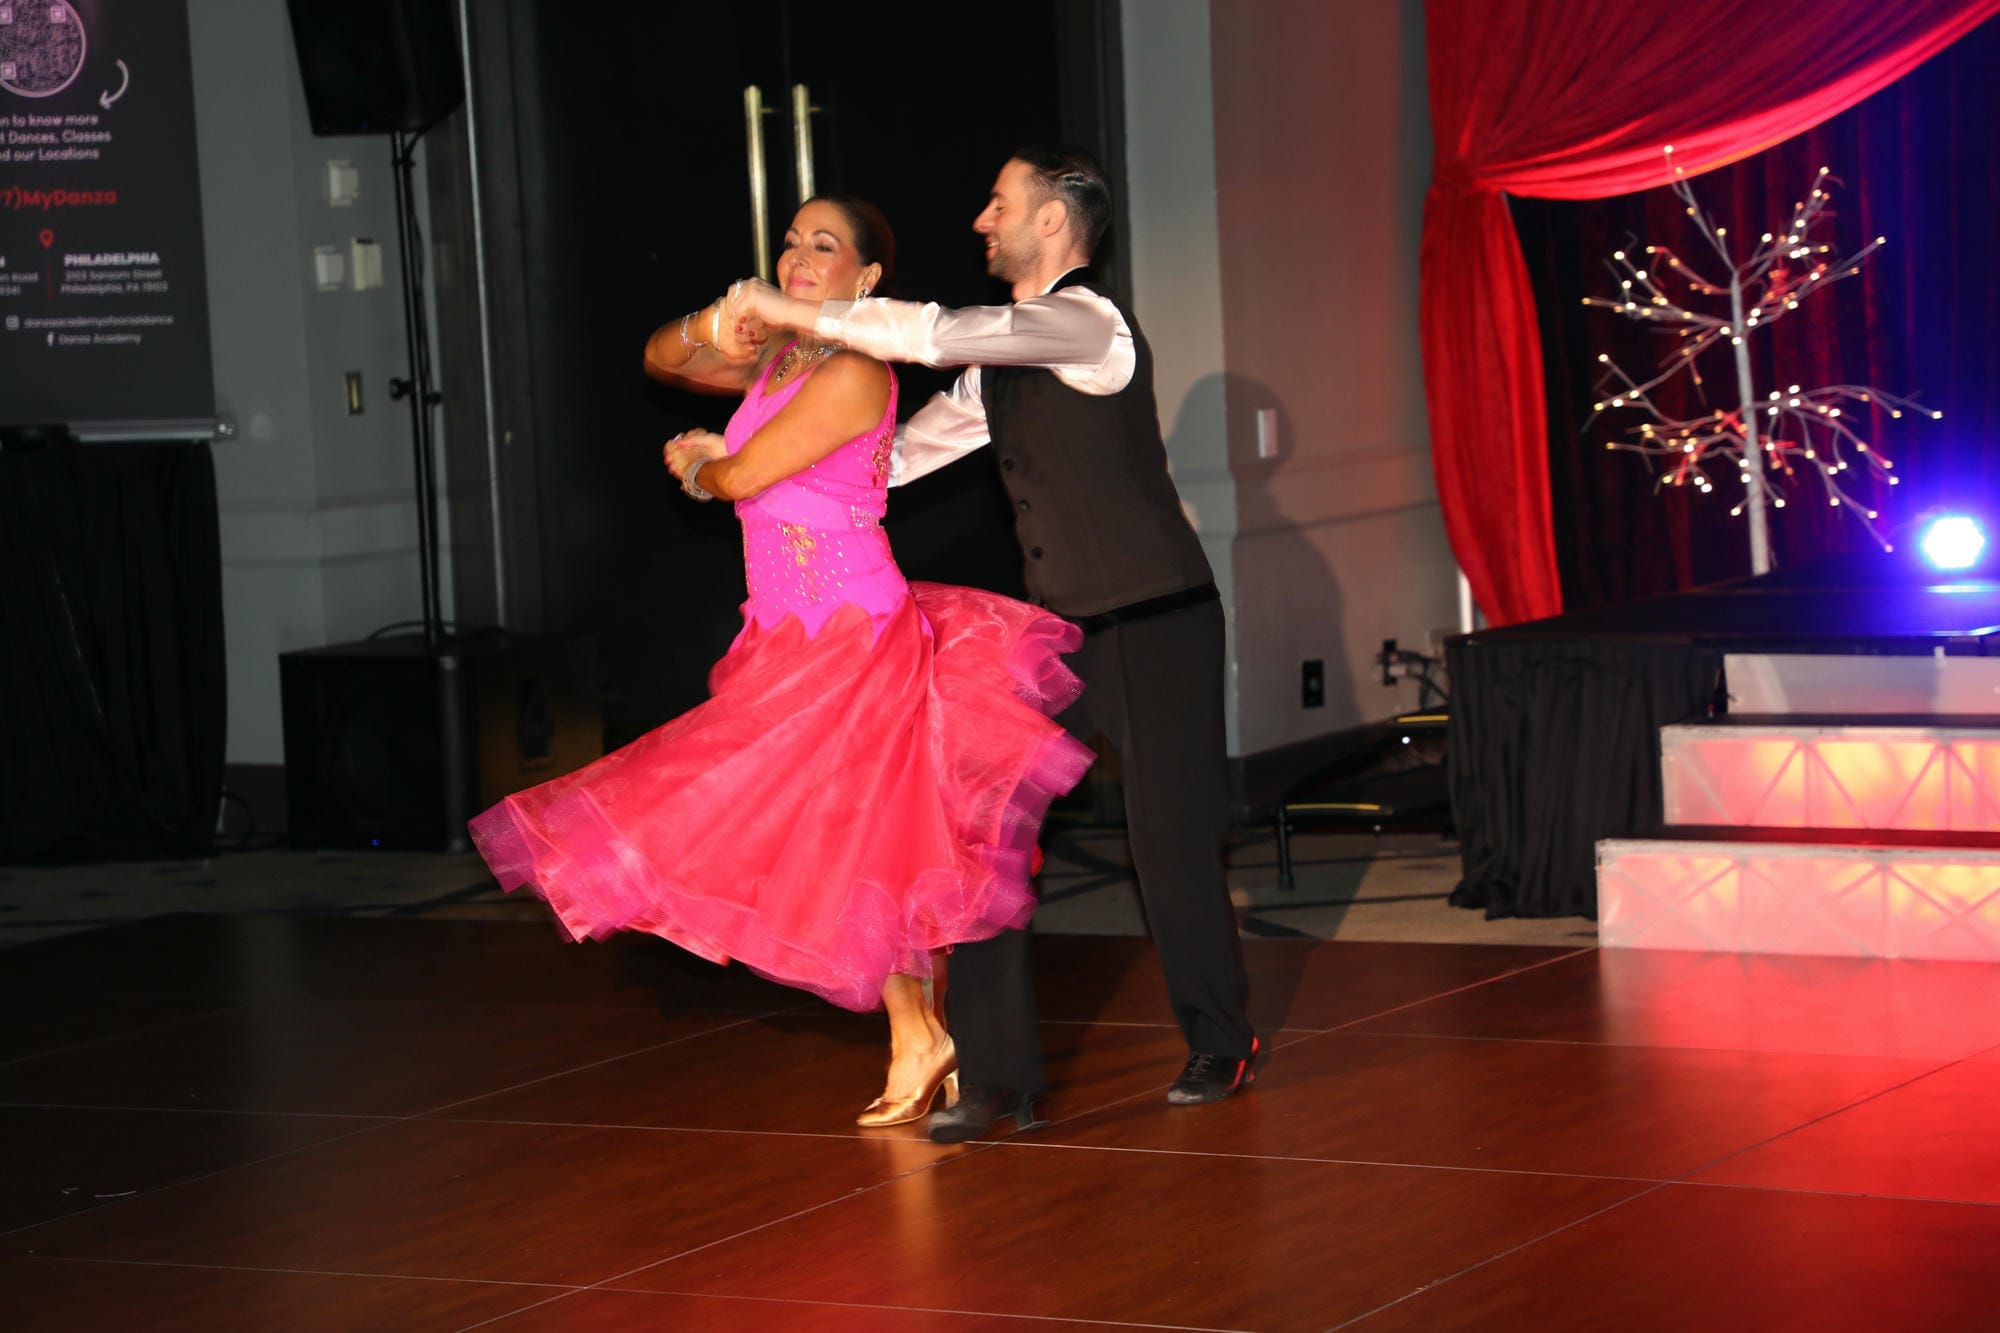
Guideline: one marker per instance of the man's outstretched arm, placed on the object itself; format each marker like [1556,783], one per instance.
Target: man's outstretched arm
[1077,334]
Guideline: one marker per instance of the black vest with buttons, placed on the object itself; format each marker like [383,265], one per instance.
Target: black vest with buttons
[1100,524]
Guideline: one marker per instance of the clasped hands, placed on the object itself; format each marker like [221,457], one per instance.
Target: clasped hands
[750,311]
[746,316]
[689,447]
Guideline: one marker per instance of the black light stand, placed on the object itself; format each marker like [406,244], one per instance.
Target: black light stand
[417,389]
[379,749]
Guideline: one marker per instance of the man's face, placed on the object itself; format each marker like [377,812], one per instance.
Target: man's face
[1013,242]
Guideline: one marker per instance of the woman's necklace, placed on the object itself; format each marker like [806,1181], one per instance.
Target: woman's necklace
[796,357]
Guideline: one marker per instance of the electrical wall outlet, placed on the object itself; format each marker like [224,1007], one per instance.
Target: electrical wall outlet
[1312,683]
[367,263]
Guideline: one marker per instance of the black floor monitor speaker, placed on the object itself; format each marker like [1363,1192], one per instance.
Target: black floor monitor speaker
[391,744]
[373,66]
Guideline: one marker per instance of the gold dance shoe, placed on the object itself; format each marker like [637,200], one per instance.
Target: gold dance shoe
[943,1074]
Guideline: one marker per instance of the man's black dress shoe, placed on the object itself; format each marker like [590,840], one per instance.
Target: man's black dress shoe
[977,1108]
[1210,1078]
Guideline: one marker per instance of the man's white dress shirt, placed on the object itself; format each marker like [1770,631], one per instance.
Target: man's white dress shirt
[1077,334]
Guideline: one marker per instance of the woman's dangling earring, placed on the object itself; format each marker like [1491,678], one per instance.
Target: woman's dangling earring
[862,295]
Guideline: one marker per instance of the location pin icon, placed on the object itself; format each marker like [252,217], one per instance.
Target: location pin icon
[48,238]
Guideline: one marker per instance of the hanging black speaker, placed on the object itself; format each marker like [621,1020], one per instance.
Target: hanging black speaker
[376,66]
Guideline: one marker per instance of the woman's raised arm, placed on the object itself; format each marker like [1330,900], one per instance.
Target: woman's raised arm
[706,349]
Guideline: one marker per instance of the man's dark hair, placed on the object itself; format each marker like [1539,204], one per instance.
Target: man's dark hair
[1073,176]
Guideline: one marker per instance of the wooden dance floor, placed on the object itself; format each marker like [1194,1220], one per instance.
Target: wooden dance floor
[291,1122]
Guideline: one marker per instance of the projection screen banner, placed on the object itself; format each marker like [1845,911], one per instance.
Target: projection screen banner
[103,291]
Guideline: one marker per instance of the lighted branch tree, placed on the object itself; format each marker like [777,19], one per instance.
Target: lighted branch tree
[1813,431]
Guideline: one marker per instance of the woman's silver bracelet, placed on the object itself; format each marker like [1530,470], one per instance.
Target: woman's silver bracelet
[692,487]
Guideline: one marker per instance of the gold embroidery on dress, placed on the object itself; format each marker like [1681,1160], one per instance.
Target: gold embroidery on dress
[799,538]
[884,446]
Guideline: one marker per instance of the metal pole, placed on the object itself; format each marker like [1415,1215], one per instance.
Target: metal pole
[416,388]
[485,320]
[802,140]
[760,209]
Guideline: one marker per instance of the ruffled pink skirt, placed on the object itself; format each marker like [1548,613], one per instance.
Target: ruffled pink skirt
[841,806]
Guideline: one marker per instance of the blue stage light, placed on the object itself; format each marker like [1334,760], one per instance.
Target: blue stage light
[1952,542]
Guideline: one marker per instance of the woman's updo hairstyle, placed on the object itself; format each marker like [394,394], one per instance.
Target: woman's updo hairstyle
[873,240]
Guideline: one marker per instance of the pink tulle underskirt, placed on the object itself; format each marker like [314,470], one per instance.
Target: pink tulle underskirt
[844,804]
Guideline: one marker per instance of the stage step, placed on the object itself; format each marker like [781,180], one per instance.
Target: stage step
[1848,684]
[1737,894]
[1917,774]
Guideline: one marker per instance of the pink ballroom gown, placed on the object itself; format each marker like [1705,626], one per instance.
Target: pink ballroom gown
[864,785]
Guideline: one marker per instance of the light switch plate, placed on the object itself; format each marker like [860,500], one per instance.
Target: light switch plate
[1267,432]
[329,268]
[343,183]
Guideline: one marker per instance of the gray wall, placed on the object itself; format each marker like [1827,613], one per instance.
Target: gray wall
[1278,164]
[318,515]
[1176,252]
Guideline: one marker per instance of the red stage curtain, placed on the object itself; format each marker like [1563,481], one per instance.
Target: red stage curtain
[1560,100]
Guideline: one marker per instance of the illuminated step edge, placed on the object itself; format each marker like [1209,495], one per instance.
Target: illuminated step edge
[1838,684]
[1799,898]
[1918,778]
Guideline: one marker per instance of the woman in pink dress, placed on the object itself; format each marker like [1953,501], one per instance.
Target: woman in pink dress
[864,787]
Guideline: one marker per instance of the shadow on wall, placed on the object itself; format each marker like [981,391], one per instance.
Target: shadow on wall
[1286,598]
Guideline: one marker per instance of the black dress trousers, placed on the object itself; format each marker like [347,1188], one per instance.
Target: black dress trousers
[1153,686]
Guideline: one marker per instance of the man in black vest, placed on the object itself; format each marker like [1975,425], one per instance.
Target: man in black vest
[1061,386]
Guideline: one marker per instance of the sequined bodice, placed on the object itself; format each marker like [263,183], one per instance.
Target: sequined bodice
[813,542]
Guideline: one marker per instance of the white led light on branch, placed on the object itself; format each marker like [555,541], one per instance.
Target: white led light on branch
[1801,429]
